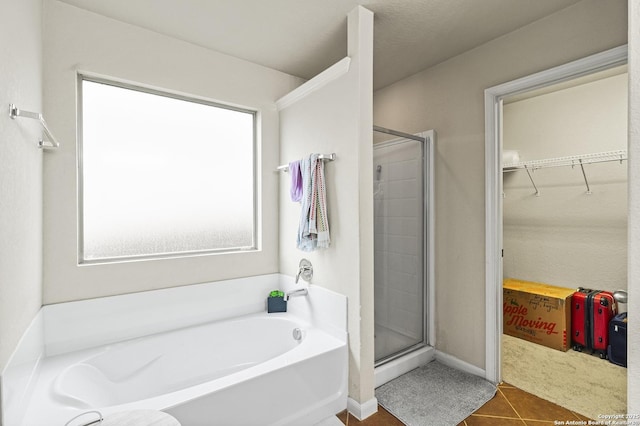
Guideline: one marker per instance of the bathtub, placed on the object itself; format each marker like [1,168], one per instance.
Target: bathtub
[250,369]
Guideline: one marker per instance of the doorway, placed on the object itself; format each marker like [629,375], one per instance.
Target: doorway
[495,99]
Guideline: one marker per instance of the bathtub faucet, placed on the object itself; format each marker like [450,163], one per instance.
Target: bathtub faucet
[305,270]
[295,293]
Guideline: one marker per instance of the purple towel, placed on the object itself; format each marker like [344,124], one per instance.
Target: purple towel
[296,180]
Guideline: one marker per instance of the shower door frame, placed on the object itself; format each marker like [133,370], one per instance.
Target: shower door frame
[428,245]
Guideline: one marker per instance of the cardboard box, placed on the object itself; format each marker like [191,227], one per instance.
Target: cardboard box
[539,313]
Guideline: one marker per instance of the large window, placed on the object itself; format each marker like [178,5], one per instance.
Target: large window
[162,175]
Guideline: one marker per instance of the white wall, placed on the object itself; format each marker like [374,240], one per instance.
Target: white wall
[449,98]
[633,373]
[20,171]
[564,236]
[79,40]
[338,118]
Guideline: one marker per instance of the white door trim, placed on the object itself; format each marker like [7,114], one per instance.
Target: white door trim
[493,97]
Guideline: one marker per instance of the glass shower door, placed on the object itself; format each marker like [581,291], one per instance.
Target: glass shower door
[399,200]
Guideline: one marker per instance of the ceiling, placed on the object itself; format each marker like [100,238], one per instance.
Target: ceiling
[304,37]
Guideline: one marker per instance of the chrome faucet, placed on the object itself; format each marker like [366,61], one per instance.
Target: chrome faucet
[305,270]
[295,293]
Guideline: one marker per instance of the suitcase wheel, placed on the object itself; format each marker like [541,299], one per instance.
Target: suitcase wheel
[603,355]
[577,348]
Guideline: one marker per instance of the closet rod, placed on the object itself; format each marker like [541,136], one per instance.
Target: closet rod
[323,157]
[14,112]
[397,133]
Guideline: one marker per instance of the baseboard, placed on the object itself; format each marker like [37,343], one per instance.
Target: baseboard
[364,410]
[458,364]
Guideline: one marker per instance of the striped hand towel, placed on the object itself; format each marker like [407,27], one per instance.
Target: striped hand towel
[319,223]
[313,228]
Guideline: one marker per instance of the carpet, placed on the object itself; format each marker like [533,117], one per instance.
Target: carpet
[578,381]
[434,395]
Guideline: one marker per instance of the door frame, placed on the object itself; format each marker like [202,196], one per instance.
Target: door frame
[493,98]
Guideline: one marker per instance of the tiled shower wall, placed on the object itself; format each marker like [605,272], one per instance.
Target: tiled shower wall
[398,208]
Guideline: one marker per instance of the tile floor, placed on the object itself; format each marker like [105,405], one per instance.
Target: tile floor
[510,407]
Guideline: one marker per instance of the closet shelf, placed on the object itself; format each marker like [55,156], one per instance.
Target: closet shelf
[574,160]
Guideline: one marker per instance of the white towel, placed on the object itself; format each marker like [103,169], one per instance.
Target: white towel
[313,227]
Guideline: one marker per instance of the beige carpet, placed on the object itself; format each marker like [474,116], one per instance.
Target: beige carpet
[577,381]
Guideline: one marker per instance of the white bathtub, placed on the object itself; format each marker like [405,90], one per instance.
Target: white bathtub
[244,370]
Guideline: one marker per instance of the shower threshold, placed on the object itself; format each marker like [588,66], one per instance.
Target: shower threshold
[398,364]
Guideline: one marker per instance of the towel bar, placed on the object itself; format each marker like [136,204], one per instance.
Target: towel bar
[324,157]
[14,112]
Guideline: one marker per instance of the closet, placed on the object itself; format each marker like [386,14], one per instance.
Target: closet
[565,223]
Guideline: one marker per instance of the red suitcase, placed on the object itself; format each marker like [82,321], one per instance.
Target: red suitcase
[591,311]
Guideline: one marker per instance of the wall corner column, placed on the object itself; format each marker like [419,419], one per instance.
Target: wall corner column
[360,48]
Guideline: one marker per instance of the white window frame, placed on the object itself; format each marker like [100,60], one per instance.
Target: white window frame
[255,246]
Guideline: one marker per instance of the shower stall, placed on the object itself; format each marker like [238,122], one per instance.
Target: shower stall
[403,247]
